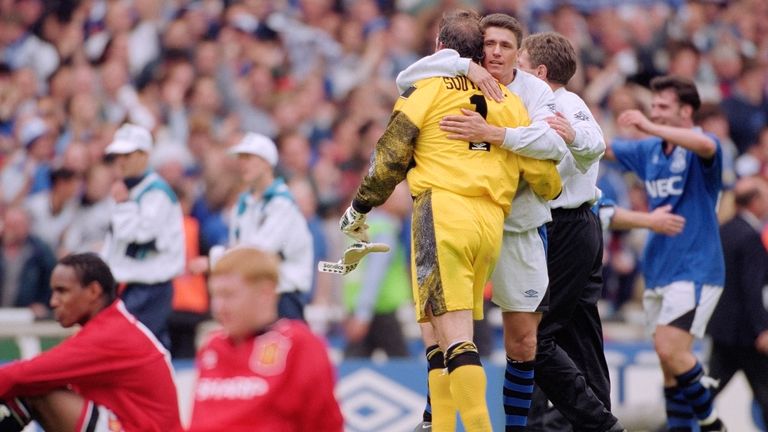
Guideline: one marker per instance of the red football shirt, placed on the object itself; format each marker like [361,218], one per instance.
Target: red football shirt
[113,361]
[278,381]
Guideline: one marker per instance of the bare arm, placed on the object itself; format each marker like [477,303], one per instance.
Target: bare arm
[661,220]
[687,138]
[447,62]
[471,126]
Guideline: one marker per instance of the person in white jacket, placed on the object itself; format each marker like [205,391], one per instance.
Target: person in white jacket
[144,246]
[266,216]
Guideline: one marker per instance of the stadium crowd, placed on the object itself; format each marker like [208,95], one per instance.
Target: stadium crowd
[317,76]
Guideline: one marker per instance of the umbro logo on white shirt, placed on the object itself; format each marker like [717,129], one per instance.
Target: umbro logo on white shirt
[581,115]
[531,293]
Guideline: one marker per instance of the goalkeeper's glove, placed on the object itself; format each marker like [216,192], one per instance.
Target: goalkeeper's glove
[352,256]
[352,223]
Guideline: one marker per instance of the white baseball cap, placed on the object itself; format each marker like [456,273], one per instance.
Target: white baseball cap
[32,130]
[257,144]
[130,138]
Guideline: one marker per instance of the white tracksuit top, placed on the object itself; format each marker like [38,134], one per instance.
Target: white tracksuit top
[145,242]
[275,224]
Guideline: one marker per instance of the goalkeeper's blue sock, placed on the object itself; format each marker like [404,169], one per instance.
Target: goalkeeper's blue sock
[14,415]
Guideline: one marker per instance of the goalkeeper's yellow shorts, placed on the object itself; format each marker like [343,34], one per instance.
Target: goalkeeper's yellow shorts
[455,242]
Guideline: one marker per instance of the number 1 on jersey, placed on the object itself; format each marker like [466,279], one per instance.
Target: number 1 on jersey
[478,101]
[481,107]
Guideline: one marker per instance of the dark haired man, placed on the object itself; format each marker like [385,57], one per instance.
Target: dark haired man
[463,191]
[684,276]
[111,375]
[520,277]
[574,238]
[739,324]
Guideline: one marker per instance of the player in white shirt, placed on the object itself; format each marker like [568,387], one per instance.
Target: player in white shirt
[575,245]
[572,330]
[520,279]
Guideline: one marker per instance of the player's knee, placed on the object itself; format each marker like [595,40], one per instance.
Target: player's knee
[521,347]
[668,353]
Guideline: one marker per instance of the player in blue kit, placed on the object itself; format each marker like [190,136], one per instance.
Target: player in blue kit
[684,275]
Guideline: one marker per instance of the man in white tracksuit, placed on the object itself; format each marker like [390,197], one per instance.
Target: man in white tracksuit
[144,246]
[267,217]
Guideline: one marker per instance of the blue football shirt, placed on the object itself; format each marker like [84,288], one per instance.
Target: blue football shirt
[691,185]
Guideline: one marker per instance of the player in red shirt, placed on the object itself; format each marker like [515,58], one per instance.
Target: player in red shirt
[258,373]
[113,375]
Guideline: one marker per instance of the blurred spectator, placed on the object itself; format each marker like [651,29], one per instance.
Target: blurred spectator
[380,285]
[712,119]
[295,156]
[84,118]
[53,211]
[26,263]
[266,216]
[685,60]
[755,160]
[190,292]
[739,325]
[252,100]
[20,48]
[121,102]
[221,187]
[90,225]
[747,107]
[403,36]
[145,244]
[304,194]
[28,168]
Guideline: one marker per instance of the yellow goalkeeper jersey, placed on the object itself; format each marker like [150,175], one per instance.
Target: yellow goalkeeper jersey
[414,144]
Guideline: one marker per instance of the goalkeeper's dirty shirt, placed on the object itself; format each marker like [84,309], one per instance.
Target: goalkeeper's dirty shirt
[414,144]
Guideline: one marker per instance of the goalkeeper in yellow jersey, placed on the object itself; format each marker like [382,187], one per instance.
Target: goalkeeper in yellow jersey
[462,192]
